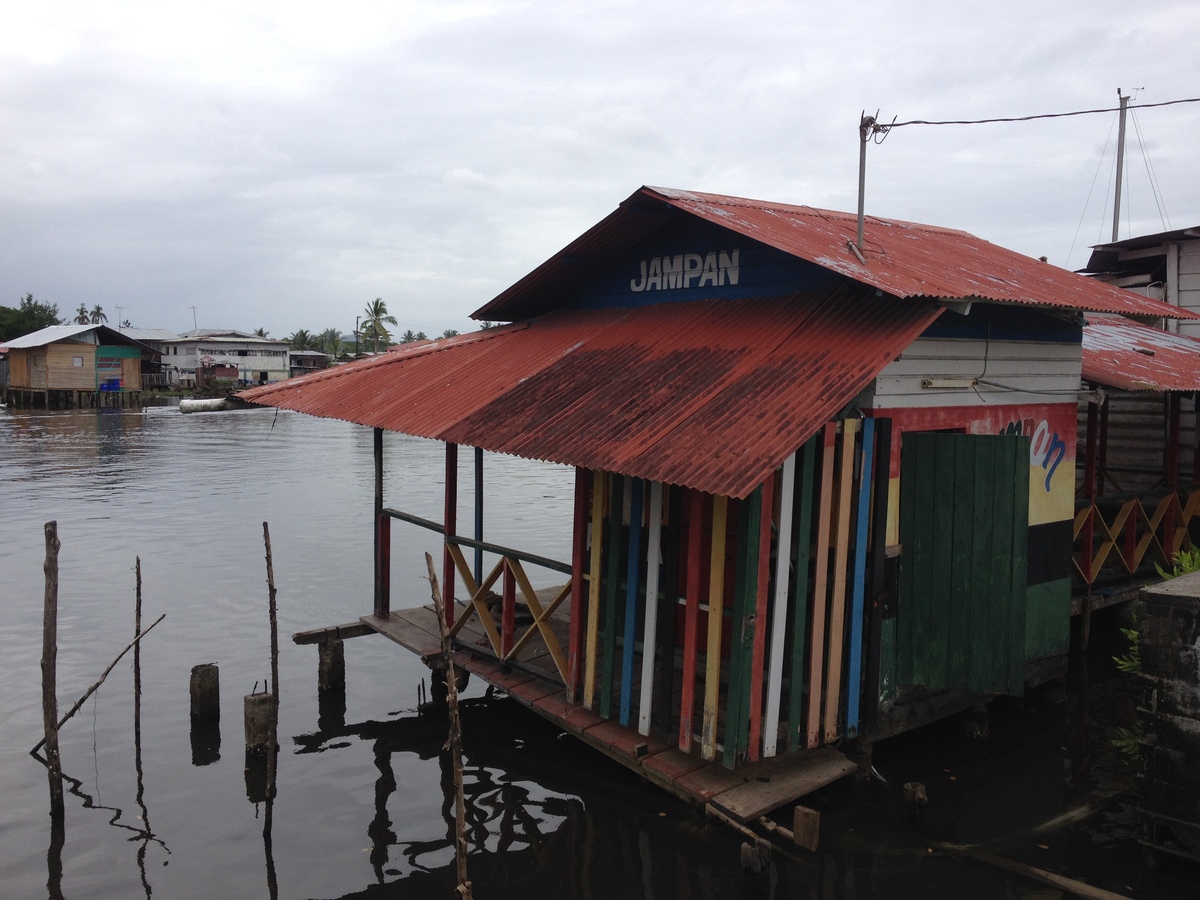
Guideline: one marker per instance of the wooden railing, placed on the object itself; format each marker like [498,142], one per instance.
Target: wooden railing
[505,642]
[1127,535]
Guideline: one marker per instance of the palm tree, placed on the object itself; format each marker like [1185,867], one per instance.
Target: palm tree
[82,317]
[375,318]
[334,346]
[422,336]
[97,315]
[450,332]
[408,337]
[260,332]
[300,340]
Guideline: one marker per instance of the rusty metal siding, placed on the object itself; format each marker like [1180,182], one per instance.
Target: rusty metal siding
[712,395]
[1122,354]
[904,259]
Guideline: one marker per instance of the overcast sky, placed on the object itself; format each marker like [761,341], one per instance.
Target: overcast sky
[281,164]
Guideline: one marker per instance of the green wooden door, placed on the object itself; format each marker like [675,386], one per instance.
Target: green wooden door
[964,523]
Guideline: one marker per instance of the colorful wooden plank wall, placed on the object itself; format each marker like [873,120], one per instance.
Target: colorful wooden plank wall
[694,626]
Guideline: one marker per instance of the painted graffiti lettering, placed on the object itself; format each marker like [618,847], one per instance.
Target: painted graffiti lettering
[663,273]
[1046,448]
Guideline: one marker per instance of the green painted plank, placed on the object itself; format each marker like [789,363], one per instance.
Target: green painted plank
[737,721]
[983,652]
[802,528]
[1020,558]
[967,456]
[905,602]
[939,596]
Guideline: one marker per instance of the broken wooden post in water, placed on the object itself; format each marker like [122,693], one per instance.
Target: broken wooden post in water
[455,741]
[331,666]
[206,693]
[257,716]
[206,714]
[50,672]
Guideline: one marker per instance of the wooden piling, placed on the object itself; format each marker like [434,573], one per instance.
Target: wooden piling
[331,666]
[50,672]
[273,702]
[257,716]
[206,693]
[455,741]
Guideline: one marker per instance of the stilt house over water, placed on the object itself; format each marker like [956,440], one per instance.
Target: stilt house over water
[1138,492]
[822,491]
[64,366]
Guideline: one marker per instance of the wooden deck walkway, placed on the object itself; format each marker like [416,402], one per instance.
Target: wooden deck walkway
[744,794]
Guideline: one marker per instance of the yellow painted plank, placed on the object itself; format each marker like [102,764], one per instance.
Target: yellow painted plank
[599,489]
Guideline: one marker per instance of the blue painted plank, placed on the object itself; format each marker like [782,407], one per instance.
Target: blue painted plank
[854,675]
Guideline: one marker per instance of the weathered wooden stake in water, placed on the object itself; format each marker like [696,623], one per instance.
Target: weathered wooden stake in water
[460,810]
[273,748]
[50,672]
[206,693]
[99,681]
[331,666]
[257,718]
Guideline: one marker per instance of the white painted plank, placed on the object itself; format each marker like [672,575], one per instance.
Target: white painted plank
[770,729]
[650,634]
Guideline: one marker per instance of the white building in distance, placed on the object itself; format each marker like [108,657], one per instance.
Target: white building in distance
[226,354]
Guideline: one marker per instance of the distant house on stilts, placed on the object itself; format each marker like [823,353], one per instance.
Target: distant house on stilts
[822,491]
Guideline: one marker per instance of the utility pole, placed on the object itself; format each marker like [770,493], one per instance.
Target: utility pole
[195,327]
[356,318]
[1120,164]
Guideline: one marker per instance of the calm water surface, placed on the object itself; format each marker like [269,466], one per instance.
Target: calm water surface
[364,805]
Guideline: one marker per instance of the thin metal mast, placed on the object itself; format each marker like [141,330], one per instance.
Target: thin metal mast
[1120,165]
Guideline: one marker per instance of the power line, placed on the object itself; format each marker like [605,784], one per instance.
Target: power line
[1080,112]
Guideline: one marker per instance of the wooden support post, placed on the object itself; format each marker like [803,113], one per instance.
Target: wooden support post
[650,627]
[331,666]
[383,565]
[816,654]
[742,626]
[508,611]
[1102,455]
[206,693]
[859,584]
[381,604]
[50,672]
[779,616]
[632,572]
[592,643]
[579,559]
[451,529]
[1171,475]
[273,737]
[806,828]
[478,513]
[687,695]
[716,616]
[257,721]
[761,622]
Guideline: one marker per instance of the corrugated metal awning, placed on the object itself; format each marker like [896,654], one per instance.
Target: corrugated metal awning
[904,259]
[1122,354]
[712,395]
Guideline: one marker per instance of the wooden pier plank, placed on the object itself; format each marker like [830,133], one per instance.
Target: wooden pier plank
[762,581]
[613,547]
[691,619]
[332,633]
[758,795]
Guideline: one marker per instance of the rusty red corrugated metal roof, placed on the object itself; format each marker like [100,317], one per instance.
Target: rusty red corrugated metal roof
[713,395]
[903,259]
[1122,354]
